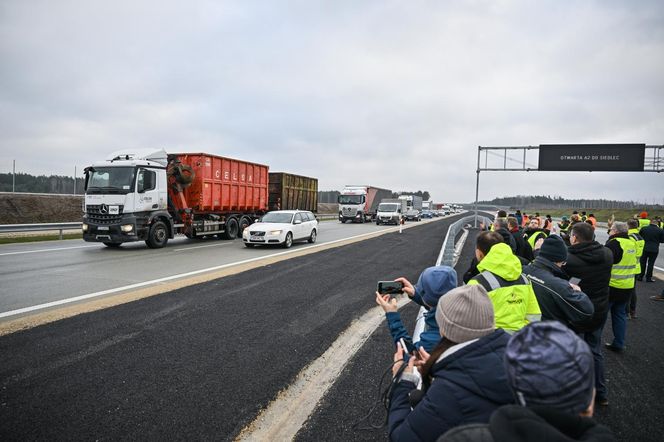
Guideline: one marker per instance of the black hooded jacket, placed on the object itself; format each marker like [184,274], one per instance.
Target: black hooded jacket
[591,262]
[515,423]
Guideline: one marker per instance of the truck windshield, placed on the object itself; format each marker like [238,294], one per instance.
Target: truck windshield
[277,217]
[110,180]
[351,199]
[388,207]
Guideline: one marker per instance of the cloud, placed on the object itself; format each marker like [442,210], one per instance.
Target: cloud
[390,93]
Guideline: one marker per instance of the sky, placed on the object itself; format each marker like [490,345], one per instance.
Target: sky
[395,94]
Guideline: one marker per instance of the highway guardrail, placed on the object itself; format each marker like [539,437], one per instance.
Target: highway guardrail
[39,227]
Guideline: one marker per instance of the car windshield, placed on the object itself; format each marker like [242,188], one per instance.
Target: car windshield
[277,217]
[388,207]
[110,179]
[351,199]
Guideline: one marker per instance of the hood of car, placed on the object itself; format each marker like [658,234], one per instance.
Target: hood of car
[267,227]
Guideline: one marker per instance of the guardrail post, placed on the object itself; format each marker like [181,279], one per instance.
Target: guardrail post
[60,234]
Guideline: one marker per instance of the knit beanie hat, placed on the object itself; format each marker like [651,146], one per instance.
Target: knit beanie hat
[435,282]
[547,364]
[554,249]
[465,313]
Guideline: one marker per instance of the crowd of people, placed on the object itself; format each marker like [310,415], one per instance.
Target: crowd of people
[515,353]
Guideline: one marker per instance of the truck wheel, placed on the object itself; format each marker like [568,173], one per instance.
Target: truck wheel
[232,227]
[289,241]
[158,235]
[113,245]
[312,237]
[245,222]
[378,222]
[362,219]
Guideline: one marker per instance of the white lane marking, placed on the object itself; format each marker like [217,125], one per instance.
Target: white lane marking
[47,250]
[202,247]
[167,278]
[659,268]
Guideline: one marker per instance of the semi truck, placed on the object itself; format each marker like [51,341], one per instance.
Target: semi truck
[390,211]
[150,195]
[413,201]
[292,192]
[359,203]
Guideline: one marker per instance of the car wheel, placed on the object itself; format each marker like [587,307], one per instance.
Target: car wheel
[288,241]
[312,237]
[378,223]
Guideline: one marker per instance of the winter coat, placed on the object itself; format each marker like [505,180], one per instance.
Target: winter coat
[468,385]
[515,423]
[557,299]
[653,236]
[430,336]
[507,238]
[523,249]
[591,262]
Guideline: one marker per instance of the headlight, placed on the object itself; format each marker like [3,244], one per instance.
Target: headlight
[275,232]
[84,227]
[245,233]
[127,228]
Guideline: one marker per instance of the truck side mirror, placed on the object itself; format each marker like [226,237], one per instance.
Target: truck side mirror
[399,210]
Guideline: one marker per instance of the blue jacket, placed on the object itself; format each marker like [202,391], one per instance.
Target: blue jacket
[467,387]
[429,338]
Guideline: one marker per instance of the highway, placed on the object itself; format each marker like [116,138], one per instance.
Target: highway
[37,273]
[198,362]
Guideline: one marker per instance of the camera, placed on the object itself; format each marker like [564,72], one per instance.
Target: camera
[389,287]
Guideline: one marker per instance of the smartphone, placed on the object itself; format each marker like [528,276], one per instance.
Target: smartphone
[389,287]
[574,281]
[407,345]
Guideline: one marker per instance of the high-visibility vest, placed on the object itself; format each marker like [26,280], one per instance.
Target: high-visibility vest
[643,222]
[532,239]
[622,273]
[512,300]
[640,244]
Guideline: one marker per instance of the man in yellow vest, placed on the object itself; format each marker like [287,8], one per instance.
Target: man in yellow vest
[633,232]
[511,293]
[621,284]
[643,219]
[533,232]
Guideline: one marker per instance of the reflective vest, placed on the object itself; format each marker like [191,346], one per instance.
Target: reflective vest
[643,222]
[622,273]
[564,226]
[640,243]
[512,300]
[532,239]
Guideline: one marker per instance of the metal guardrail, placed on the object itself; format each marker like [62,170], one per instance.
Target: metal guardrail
[447,252]
[40,227]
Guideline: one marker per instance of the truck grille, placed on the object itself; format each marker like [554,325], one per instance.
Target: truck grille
[95,216]
[348,211]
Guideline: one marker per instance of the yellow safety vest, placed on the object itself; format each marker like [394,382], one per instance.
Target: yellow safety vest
[532,239]
[622,273]
[640,244]
[643,222]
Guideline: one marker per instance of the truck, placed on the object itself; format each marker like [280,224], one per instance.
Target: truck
[150,195]
[390,211]
[427,205]
[413,201]
[292,192]
[359,203]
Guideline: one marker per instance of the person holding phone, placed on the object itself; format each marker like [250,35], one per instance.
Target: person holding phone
[464,374]
[433,283]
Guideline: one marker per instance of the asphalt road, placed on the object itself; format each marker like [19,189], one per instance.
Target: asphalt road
[197,362]
[43,272]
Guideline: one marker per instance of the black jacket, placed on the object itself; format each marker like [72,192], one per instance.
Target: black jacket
[653,236]
[555,296]
[515,423]
[523,249]
[591,262]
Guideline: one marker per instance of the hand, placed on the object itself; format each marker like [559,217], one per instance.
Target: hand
[407,286]
[422,357]
[575,287]
[538,244]
[387,303]
[398,361]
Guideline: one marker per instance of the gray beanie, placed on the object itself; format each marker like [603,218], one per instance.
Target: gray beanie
[465,313]
[547,364]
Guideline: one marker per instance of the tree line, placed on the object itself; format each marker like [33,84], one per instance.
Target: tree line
[545,201]
[26,183]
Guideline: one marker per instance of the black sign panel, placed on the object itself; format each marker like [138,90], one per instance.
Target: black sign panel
[592,157]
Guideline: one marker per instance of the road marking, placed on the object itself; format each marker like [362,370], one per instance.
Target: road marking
[201,247]
[60,302]
[47,250]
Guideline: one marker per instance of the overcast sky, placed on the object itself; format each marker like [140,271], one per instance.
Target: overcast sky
[396,94]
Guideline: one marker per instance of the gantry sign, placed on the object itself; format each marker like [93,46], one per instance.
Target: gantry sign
[572,158]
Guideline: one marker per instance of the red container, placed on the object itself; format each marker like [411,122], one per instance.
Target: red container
[224,185]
